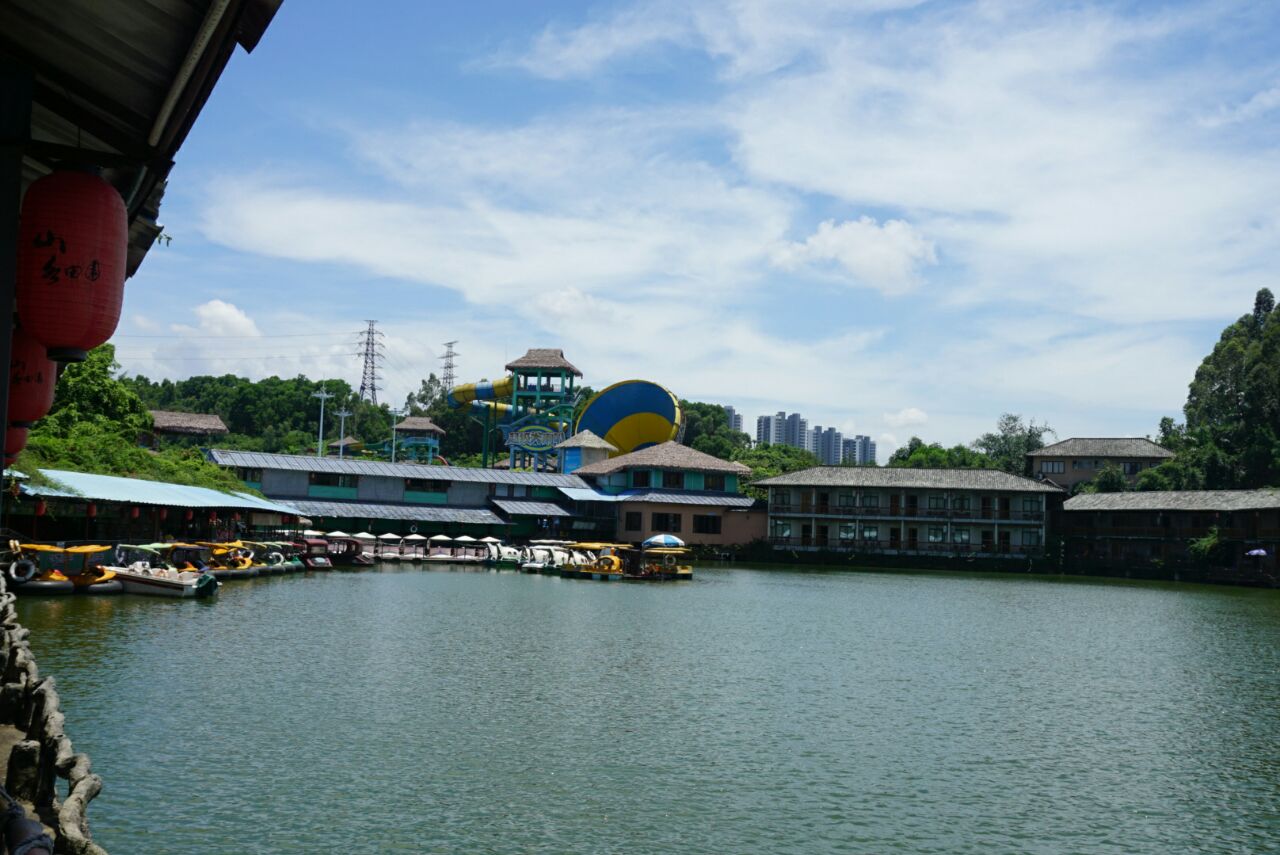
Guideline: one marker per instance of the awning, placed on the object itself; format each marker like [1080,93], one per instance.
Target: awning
[109,488]
[415,513]
[524,508]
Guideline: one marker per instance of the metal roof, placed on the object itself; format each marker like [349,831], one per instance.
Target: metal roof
[873,477]
[416,513]
[1176,500]
[668,455]
[670,497]
[526,508]
[349,466]
[109,488]
[119,84]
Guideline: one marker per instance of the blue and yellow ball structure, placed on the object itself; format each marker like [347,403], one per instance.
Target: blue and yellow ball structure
[632,415]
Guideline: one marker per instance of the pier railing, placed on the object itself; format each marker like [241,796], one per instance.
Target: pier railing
[42,752]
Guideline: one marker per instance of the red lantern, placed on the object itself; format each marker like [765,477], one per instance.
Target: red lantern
[91,510]
[235,517]
[41,507]
[15,439]
[73,242]
[190,514]
[164,513]
[32,377]
[133,512]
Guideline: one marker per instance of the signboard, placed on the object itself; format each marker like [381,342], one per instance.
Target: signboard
[535,439]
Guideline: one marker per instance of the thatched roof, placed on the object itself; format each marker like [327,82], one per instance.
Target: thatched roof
[871,477]
[168,421]
[551,358]
[1130,447]
[1176,500]
[668,455]
[345,442]
[419,424]
[587,439]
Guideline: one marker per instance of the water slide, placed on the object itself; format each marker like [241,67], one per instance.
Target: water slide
[484,396]
[632,415]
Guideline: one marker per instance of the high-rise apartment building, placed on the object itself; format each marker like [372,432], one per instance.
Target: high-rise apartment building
[828,445]
[796,431]
[859,449]
[734,417]
[769,429]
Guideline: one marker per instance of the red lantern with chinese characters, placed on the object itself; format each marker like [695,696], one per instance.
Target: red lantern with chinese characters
[15,439]
[32,377]
[41,508]
[73,242]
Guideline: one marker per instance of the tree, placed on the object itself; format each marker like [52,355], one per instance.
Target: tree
[1231,438]
[1007,447]
[768,460]
[706,429]
[1110,479]
[934,456]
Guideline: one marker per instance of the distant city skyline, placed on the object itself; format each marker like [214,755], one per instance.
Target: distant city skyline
[828,443]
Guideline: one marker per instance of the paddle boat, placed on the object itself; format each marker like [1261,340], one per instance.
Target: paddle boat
[313,552]
[140,576]
[346,551]
[37,568]
[498,554]
[440,549]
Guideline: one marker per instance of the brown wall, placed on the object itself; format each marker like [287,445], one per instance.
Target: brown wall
[736,527]
[1071,475]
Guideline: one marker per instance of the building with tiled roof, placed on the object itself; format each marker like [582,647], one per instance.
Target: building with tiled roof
[1079,459]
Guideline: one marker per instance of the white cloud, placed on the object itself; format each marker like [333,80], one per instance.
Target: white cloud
[906,417]
[886,258]
[1257,105]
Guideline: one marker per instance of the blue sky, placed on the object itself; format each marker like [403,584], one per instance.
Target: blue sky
[896,217]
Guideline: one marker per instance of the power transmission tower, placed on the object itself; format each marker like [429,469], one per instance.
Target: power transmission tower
[447,377]
[372,347]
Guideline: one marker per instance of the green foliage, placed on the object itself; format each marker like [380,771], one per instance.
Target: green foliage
[94,427]
[917,454]
[1007,447]
[1110,479]
[1210,549]
[706,429]
[1231,438]
[767,461]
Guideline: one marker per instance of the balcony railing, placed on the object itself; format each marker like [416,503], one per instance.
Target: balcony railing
[851,512]
[880,547]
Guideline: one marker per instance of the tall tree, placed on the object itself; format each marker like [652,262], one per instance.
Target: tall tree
[1013,439]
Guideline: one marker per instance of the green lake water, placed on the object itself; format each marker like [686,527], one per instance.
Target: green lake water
[750,710]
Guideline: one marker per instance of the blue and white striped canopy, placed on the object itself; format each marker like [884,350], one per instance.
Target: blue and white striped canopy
[663,540]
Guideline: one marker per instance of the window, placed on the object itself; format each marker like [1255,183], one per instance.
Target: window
[1030,506]
[847,531]
[1077,464]
[706,524]
[937,503]
[633,521]
[714,481]
[1031,538]
[936,534]
[673,480]
[960,535]
[1132,467]
[332,479]
[640,478]
[870,532]
[870,500]
[248,474]
[427,485]
[781,528]
[845,500]
[669,523]
[960,503]
[1053,467]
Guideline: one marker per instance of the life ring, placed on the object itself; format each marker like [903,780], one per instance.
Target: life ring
[413,529]
[23,570]
[669,560]
[275,558]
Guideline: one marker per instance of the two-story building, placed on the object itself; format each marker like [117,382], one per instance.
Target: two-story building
[673,489]
[354,494]
[1079,459]
[1126,531]
[909,511]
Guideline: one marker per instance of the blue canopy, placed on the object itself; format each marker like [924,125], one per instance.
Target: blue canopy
[663,540]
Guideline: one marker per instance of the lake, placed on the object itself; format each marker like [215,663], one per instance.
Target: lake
[404,709]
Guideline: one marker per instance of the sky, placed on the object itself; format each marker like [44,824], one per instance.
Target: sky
[897,218]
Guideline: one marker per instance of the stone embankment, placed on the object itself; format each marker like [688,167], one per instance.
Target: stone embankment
[35,746]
